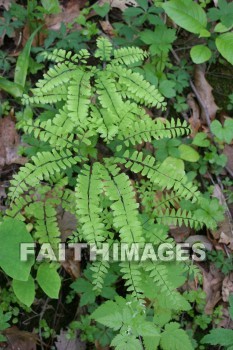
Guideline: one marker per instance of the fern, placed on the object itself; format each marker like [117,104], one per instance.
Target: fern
[44,165]
[159,174]
[96,167]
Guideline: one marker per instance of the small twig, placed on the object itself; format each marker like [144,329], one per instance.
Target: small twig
[40,319]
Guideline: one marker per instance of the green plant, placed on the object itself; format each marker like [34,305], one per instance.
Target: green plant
[190,16]
[223,133]
[93,129]
[225,264]
[230,104]
[220,336]
[4,318]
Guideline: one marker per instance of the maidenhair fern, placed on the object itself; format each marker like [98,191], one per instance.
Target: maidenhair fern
[96,165]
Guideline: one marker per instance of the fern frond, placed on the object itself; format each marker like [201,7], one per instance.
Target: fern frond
[166,200]
[103,122]
[108,96]
[62,121]
[78,99]
[147,129]
[140,89]
[17,208]
[58,93]
[118,189]
[132,274]
[68,200]
[57,76]
[147,167]
[60,55]
[155,233]
[47,132]
[104,50]
[128,55]
[178,218]
[88,190]
[44,165]
[46,227]
[99,270]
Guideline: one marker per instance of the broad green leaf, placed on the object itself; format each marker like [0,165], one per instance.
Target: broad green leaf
[188,15]
[219,336]
[101,10]
[151,343]
[12,233]
[12,88]
[126,342]
[24,290]
[224,133]
[224,45]
[160,39]
[223,13]
[174,338]
[49,280]
[109,315]
[201,140]
[188,153]
[23,61]
[173,166]
[200,54]
[147,329]
[52,6]
[167,88]
[220,28]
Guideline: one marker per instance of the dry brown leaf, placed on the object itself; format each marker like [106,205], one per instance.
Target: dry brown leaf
[67,223]
[228,151]
[120,4]
[68,13]
[227,287]
[9,143]
[212,286]
[72,267]
[6,4]
[205,92]
[63,343]
[107,28]
[224,233]
[194,120]
[20,340]
[227,238]
[180,234]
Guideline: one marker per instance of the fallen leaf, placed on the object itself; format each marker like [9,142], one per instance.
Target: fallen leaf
[72,267]
[224,232]
[120,4]
[212,286]
[227,287]
[180,234]
[107,28]
[205,92]
[67,223]
[5,3]
[194,120]
[68,13]
[228,151]
[227,239]
[9,143]
[20,340]
[63,343]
